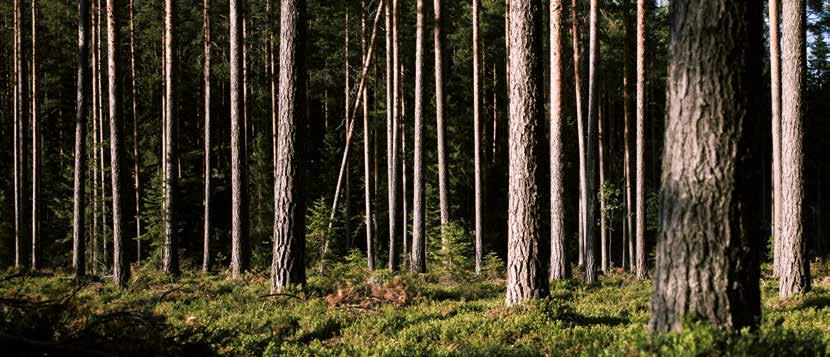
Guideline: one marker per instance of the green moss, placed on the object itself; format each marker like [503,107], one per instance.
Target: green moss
[379,314]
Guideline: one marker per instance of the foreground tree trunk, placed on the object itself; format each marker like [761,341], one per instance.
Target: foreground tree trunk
[419,263]
[794,265]
[593,106]
[120,269]
[79,192]
[239,181]
[640,214]
[22,162]
[288,266]
[526,278]
[35,147]
[558,256]
[171,249]
[707,251]
[628,229]
[206,74]
[580,127]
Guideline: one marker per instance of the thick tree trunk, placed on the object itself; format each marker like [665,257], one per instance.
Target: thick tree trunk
[419,261]
[239,161]
[640,215]
[79,192]
[558,256]
[170,262]
[206,74]
[526,278]
[288,266]
[120,266]
[136,157]
[367,172]
[794,265]
[707,254]
[441,125]
[477,142]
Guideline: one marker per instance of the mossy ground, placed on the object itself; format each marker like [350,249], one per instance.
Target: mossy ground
[349,311]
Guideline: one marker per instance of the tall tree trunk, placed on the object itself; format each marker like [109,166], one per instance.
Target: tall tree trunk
[288,267]
[367,179]
[101,143]
[628,240]
[79,192]
[391,154]
[171,243]
[558,256]
[593,105]
[347,202]
[477,141]
[136,157]
[775,96]
[794,265]
[419,261]
[402,129]
[603,218]
[441,125]
[526,278]
[35,146]
[206,73]
[96,184]
[22,125]
[120,267]
[580,124]
[16,130]
[707,255]
[640,214]
[239,161]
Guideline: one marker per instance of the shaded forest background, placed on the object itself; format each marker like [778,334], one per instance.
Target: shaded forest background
[323,140]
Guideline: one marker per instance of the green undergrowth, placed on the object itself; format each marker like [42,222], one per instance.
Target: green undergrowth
[350,311]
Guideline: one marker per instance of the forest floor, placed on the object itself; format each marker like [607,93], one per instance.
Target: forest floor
[349,311]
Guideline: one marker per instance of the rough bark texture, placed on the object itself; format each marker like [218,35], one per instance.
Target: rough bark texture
[558,256]
[441,125]
[79,192]
[170,262]
[120,266]
[707,253]
[640,215]
[419,263]
[288,266]
[628,229]
[477,142]
[136,157]
[206,74]
[793,267]
[526,278]
[367,162]
[239,181]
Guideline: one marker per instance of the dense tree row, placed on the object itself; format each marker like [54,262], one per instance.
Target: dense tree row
[620,128]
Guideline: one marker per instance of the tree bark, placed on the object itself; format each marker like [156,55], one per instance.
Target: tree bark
[170,263]
[367,172]
[391,136]
[640,214]
[288,266]
[35,147]
[347,201]
[526,278]
[707,255]
[628,240]
[120,269]
[79,192]
[794,265]
[239,162]
[593,105]
[136,157]
[419,261]
[603,218]
[22,162]
[558,256]
[477,141]
[441,125]
[206,74]
[95,143]
[580,124]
